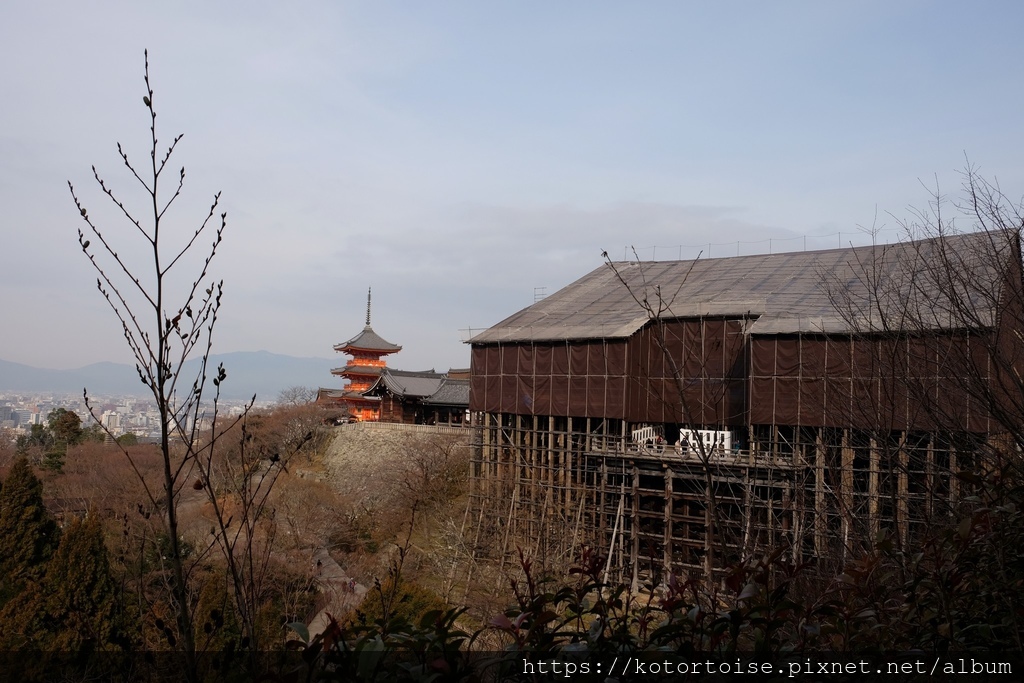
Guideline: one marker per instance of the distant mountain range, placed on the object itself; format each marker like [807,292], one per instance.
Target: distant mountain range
[249,372]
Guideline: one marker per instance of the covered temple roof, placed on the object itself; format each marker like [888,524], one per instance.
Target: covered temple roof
[780,293]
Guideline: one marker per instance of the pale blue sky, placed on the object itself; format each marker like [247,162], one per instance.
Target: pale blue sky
[456,155]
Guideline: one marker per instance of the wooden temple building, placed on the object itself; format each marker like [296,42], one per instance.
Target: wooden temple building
[682,416]
[427,397]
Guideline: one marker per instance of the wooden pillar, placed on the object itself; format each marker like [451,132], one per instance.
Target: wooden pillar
[820,515]
[667,548]
[903,493]
[787,515]
[708,526]
[634,526]
[873,472]
[500,473]
[501,469]
[602,520]
[772,509]
[748,512]
[623,563]
[478,456]
[492,449]
[799,511]
[570,467]
[847,490]
[553,469]
[954,483]
[535,467]
[929,469]
[518,456]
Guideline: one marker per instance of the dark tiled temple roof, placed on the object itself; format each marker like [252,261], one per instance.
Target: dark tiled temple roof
[452,392]
[407,384]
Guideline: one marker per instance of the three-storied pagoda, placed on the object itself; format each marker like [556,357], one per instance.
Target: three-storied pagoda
[364,368]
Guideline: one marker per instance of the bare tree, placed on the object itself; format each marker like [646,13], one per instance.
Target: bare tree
[296,396]
[952,308]
[938,325]
[982,299]
[657,305]
[168,314]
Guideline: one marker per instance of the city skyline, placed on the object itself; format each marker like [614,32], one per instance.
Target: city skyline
[456,156]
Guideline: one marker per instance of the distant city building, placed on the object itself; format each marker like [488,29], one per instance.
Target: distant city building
[8,417]
[112,421]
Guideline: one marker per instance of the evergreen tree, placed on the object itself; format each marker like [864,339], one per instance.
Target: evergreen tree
[81,603]
[38,438]
[66,427]
[28,535]
[73,613]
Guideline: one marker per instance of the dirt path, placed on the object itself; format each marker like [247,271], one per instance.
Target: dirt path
[341,591]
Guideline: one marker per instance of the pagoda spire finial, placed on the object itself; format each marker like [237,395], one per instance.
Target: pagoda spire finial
[368,292]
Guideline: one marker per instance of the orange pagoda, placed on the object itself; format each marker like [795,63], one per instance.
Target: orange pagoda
[367,350]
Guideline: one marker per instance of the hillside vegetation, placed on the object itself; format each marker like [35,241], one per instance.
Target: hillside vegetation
[84,572]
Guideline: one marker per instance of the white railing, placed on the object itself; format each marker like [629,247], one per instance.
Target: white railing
[618,446]
[715,443]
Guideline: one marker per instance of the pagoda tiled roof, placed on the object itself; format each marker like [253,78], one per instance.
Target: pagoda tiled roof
[368,340]
[356,369]
[343,395]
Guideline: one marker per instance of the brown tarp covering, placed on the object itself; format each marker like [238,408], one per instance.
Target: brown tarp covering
[765,340]
[688,371]
[881,383]
[623,379]
[576,379]
[806,380]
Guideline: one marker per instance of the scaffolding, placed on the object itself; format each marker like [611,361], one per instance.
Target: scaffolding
[820,401]
[547,486]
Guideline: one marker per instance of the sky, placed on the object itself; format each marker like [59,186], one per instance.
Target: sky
[457,157]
